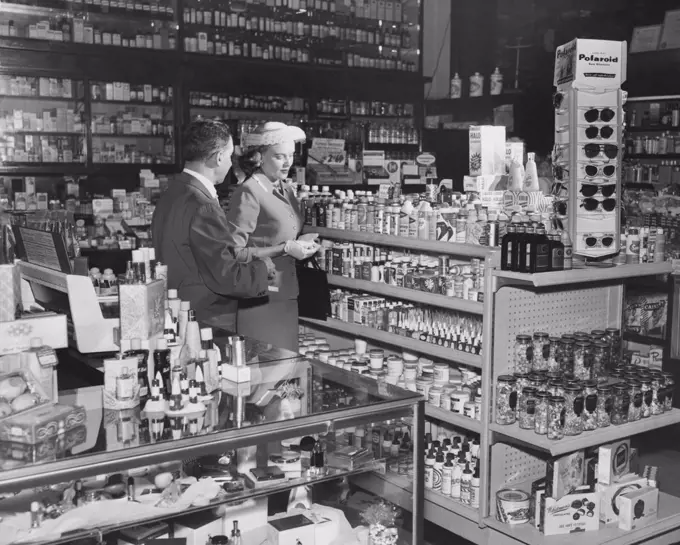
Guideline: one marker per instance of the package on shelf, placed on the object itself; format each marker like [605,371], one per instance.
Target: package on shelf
[16,336]
[142,310]
[10,293]
[197,528]
[613,462]
[638,508]
[646,313]
[564,474]
[481,183]
[514,151]
[487,150]
[610,496]
[576,512]
[45,450]
[41,423]
[591,64]
[121,386]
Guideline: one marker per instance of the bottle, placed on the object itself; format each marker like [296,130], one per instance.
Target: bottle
[174,304]
[660,246]
[142,367]
[447,476]
[524,247]
[95,278]
[138,267]
[507,247]
[476,85]
[540,251]
[108,284]
[474,489]
[568,250]
[183,318]
[78,495]
[161,361]
[520,233]
[531,174]
[496,82]
[437,471]
[413,223]
[192,345]
[456,86]
[235,535]
[170,327]
[429,470]
[465,482]
[211,368]
[456,476]
[556,252]
[404,218]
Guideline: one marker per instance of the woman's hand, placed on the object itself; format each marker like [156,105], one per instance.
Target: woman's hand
[300,249]
[309,237]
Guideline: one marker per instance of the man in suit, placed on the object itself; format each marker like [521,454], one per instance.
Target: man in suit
[190,232]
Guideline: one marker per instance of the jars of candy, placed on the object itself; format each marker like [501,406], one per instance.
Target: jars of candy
[646,390]
[506,400]
[582,367]
[598,334]
[614,341]
[598,359]
[554,355]
[522,382]
[556,388]
[635,407]
[621,403]
[541,352]
[567,354]
[541,414]
[556,417]
[669,389]
[658,401]
[590,405]
[604,406]
[527,408]
[524,349]
[573,403]
[538,381]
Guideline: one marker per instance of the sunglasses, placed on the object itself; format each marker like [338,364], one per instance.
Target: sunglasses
[604,240]
[596,114]
[592,204]
[593,170]
[605,132]
[593,150]
[589,190]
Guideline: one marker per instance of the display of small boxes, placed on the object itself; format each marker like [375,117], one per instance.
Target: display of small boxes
[610,496]
[638,508]
[10,293]
[575,512]
[613,462]
[142,310]
[37,425]
[49,450]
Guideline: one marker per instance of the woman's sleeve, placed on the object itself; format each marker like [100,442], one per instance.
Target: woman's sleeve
[242,214]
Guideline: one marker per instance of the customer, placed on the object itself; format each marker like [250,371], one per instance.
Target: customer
[264,220]
[190,232]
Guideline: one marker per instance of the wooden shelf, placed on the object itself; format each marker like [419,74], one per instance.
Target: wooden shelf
[41,98]
[132,103]
[642,339]
[457,420]
[650,156]
[653,128]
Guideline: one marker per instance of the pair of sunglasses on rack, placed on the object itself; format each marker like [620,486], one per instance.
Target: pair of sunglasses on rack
[591,171]
[593,150]
[605,132]
[591,204]
[605,240]
[590,190]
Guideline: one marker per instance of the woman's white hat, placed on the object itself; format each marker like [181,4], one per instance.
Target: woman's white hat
[272,133]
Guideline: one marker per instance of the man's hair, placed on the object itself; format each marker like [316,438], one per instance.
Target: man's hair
[204,138]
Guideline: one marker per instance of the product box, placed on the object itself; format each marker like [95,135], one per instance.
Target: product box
[646,314]
[481,183]
[610,496]
[638,508]
[16,336]
[121,385]
[326,527]
[198,527]
[564,474]
[576,512]
[49,450]
[613,462]
[142,310]
[591,64]
[487,150]
[139,535]
[43,422]
[291,530]
[10,293]
[514,151]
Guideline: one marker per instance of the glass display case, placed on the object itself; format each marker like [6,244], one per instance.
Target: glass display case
[295,435]
[41,121]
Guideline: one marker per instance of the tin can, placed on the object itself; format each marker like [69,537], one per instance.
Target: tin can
[512,506]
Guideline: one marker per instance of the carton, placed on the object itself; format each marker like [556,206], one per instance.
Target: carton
[487,150]
[613,462]
[610,496]
[576,512]
[142,310]
[590,64]
[638,508]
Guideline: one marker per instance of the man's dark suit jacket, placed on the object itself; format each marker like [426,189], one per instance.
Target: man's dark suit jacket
[189,234]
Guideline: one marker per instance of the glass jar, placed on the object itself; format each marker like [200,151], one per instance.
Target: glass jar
[523,353]
[556,388]
[590,405]
[669,389]
[598,334]
[541,351]
[556,417]
[621,403]
[522,382]
[635,407]
[554,355]
[573,404]
[567,354]
[615,377]
[604,406]
[614,340]
[541,414]
[582,367]
[646,390]
[538,381]
[527,408]
[658,401]
[598,360]
[506,400]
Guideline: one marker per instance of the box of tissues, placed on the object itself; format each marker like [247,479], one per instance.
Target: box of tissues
[10,293]
[142,310]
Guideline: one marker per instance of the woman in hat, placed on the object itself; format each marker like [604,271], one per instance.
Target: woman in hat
[265,219]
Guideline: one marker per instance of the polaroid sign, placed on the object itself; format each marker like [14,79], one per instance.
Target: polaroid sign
[591,64]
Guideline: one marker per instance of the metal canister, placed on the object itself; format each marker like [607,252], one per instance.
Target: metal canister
[512,506]
[236,350]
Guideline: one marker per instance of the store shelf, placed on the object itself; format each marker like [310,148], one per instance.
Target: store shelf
[584,275]
[44,133]
[43,168]
[112,135]
[652,156]
[246,110]
[667,522]
[454,419]
[588,438]
[132,103]
[446,248]
[40,98]
[405,294]
[406,343]
[652,128]
[642,339]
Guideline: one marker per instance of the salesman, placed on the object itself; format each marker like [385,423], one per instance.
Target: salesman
[190,232]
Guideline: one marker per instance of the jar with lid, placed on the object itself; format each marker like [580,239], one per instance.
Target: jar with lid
[669,390]
[522,382]
[541,413]
[598,360]
[554,355]
[435,396]
[567,354]
[615,377]
[377,357]
[658,402]
[598,334]
[582,367]
[538,381]
[647,393]
[527,408]
[541,351]
[573,404]
[614,340]
[590,405]
[506,400]
[621,404]
[556,417]
[442,373]
[523,353]
[604,405]
[556,388]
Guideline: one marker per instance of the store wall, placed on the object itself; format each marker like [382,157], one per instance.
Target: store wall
[437,47]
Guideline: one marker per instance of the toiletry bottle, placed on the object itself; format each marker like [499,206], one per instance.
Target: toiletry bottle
[404,218]
[36,515]
[138,266]
[456,476]
[142,367]
[161,361]
[211,367]
[568,250]
[174,304]
[438,469]
[456,86]
[465,482]
[474,489]
[531,174]
[170,327]
[192,344]
[496,82]
[476,85]
[540,251]
[660,246]
[107,284]
[183,318]
[151,263]
[447,475]
[429,470]
[518,241]
[524,248]
[235,535]
[556,252]
[508,245]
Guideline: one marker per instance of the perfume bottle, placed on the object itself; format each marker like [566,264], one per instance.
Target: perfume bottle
[235,535]
[125,385]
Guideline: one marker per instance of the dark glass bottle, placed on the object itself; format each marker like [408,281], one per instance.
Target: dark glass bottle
[520,234]
[142,367]
[161,362]
[556,253]
[508,246]
[539,258]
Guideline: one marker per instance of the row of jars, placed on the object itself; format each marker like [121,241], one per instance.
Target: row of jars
[586,355]
[563,405]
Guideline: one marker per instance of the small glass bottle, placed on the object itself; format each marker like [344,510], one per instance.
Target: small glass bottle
[647,393]
[573,403]
[598,360]
[541,352]
[506,400]
[669,390]
[523,353]
[590,405]
[635,407]
[614,341]
[658,401]
[567,354]
[604,405]
[527,408]
[582,367]
[522,382]
[621,403]
[125,385]
[556,417]
[554,355]
[541,414]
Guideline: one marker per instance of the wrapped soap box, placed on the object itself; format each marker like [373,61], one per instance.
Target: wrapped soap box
[37,425]
[142,310]
[49,450]
[291,530]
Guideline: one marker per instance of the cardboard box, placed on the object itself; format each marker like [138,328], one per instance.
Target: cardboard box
[16,336]
[591,64]
[577,512]
[291,530]
[610,496]
[198,527]
[638,508]
[39,424]
[142,310]
[513,151]
[613,462]
[10,293]
[487,150]
[564,474]
[481,183]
